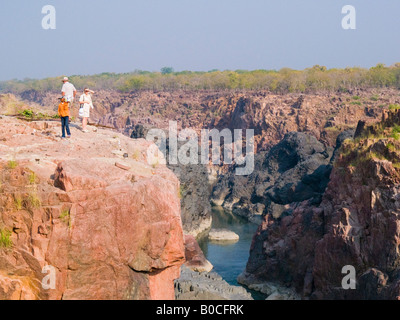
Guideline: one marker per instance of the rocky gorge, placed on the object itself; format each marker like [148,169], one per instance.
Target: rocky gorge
[318,204]
[272,116]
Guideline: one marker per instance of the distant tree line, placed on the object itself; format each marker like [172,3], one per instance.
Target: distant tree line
[315,79]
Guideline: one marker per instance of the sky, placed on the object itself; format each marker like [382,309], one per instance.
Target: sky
[95,36]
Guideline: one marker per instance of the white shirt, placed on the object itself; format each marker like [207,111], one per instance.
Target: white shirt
[68,89]
[86,98]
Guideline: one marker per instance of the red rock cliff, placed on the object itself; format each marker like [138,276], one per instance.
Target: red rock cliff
[357,224]
[109,225]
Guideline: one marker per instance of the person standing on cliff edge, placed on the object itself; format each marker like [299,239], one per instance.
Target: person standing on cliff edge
[69,92]
[86,104]
[63,112]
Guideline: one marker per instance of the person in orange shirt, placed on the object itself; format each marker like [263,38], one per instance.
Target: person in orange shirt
[63,112]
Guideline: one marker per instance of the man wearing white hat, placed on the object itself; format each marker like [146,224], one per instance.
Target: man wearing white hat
[69,92]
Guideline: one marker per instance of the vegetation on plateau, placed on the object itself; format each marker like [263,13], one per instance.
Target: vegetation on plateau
[317,78]
[380,141]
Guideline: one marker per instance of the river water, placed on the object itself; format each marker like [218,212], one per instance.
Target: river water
[229,260]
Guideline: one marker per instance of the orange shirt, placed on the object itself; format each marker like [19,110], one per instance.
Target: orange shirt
[63,110]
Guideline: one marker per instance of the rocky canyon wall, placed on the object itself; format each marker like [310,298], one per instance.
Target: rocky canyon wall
[356,224]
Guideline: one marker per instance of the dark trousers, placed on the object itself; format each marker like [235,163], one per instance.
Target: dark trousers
[65,125]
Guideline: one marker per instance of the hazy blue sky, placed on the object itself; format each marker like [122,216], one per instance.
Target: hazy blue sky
[94,36]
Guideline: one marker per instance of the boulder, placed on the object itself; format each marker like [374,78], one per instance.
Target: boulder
[195,259]
[207,286]
[222,235]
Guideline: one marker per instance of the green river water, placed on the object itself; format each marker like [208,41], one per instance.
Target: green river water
[229,260]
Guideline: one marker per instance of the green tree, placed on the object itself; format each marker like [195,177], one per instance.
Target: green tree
[167,70]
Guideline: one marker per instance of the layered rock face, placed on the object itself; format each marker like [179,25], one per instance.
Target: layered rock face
[272,116]
[91,208]
[361,213]
[294,170]
[195,191]
[356,225]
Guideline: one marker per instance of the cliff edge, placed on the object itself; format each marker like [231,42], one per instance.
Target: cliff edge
[88,209]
